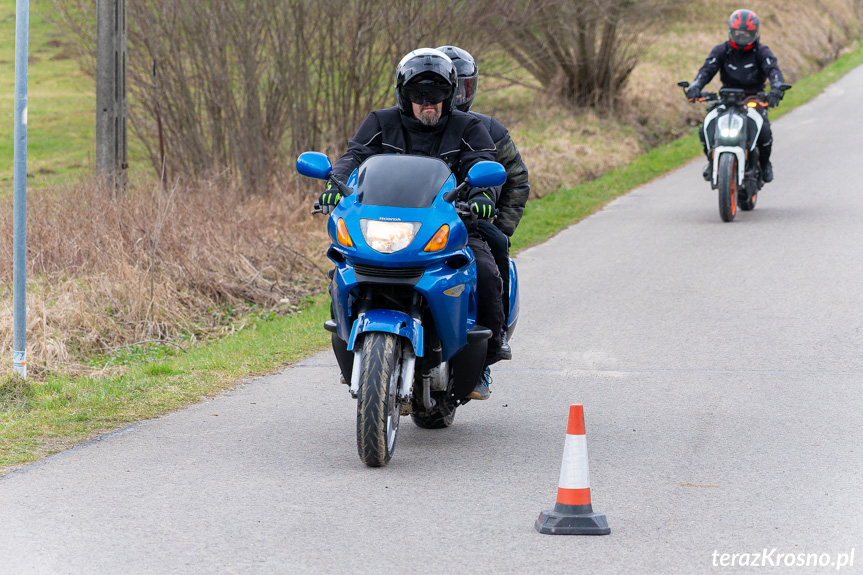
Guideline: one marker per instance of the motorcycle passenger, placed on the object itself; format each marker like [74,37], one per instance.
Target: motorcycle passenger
[742,62]
[425,123]
[514,192]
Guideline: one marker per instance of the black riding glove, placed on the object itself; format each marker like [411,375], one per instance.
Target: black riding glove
[693,92]
[330,198]
[774,96]
[482,205]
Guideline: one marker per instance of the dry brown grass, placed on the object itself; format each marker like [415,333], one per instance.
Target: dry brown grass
[154,265]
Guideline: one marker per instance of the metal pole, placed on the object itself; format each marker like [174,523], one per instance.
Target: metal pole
[19,226]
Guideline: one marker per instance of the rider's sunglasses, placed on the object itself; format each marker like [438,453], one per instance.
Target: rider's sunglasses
[431,95]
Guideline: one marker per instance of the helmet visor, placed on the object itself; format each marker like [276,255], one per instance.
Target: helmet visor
[742,38]
[466,90]
[425,93]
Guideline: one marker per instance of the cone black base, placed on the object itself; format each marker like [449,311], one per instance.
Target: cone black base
[561,521]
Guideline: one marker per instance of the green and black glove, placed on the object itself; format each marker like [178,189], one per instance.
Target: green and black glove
[482,205]
[330,198]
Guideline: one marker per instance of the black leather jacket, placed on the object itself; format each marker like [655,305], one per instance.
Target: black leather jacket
[748,69]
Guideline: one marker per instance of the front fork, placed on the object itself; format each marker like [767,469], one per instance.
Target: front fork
[408,361]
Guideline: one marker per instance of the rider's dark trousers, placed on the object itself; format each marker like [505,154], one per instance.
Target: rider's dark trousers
[765,139]
[489,293]
[498,243]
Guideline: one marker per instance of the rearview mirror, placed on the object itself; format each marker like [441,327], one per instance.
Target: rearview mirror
[314,165]
[486,175]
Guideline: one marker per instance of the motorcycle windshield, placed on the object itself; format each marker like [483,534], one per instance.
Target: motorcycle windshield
[400,181]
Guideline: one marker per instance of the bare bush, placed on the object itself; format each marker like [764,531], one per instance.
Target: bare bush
[580,51]
[155,264]
[239,88]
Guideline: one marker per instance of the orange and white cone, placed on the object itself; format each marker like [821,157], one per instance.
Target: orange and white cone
[573,513]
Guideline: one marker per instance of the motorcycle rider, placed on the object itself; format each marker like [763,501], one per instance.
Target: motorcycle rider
[513,193]
[742,62]
[425,123]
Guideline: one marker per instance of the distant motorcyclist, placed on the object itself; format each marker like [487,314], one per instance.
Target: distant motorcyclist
[516,189]
[742,62]
[425,123]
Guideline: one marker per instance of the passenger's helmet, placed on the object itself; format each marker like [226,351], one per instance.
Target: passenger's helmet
[468,76]
[425,75]
[743,29]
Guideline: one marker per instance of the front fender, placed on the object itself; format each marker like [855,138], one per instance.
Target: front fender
[741,162]
[389,321]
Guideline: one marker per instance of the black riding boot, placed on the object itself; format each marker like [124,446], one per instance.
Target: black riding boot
[766,166]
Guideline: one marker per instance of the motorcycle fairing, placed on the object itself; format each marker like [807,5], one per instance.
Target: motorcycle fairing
[514,304]
[450,291]
[759,123]
[752,115]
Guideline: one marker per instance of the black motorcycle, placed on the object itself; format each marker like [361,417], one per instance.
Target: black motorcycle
[731,130]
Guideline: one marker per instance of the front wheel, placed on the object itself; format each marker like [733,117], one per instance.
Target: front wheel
[727,180]
[378,409]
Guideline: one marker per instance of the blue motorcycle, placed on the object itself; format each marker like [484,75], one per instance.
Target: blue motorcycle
[404,297]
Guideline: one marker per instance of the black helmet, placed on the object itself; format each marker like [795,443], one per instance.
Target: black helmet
[743,29]
[468,76]
[428,74]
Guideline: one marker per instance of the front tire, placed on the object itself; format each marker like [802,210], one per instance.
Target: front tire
[727,180]
[378,409]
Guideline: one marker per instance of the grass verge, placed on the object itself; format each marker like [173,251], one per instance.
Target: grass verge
[40,418]
[37,419]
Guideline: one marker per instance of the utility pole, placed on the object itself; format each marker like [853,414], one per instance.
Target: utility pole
[111,154]
[19,216]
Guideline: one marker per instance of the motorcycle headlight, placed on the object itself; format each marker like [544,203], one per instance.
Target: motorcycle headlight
[730,126]
[388,237]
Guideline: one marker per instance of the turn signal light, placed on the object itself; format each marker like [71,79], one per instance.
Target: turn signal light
[439,240]
[343,235]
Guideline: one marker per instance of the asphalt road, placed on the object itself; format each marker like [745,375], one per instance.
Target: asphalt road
[720,366]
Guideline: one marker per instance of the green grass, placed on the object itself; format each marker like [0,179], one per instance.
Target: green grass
[39,418]
[545,217]
[61,102]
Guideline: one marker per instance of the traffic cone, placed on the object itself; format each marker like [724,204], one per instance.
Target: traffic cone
[573,514]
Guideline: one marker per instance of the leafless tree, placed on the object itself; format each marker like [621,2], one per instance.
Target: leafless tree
[240,87]
[581,51]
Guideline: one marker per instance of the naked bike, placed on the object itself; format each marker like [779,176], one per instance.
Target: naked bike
[731,130]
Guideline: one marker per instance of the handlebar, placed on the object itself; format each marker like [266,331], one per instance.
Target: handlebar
[735,96]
